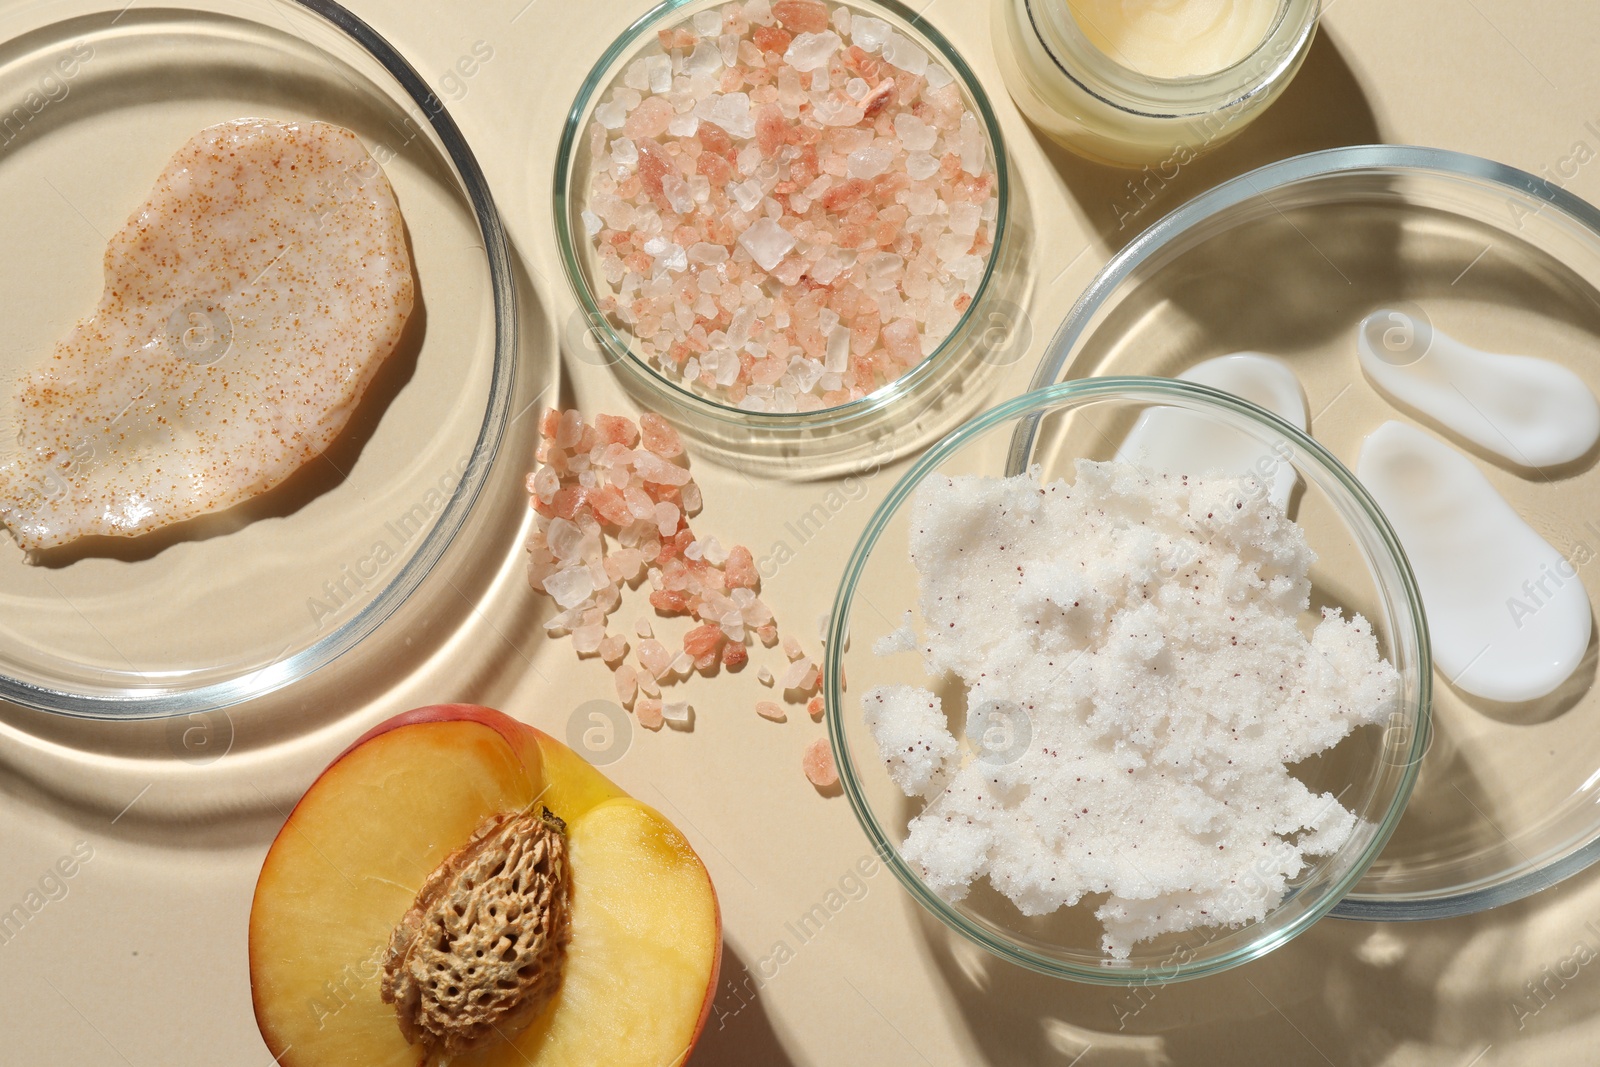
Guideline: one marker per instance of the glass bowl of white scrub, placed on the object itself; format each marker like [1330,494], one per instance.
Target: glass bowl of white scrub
[1435,319]
[1116,725]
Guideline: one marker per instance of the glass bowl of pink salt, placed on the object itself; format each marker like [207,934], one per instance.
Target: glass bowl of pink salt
[784,221]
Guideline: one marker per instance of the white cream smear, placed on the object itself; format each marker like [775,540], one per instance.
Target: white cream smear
[1508,616]
[1168,440]
[1530,411]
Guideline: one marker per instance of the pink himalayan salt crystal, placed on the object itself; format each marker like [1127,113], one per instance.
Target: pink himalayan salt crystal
[768,709]
[659,436]
[602,533]
[818,764]
[648,710]
[792,649]
[801,16]
[815,708]
[613,648]
[782,207]
[627,682]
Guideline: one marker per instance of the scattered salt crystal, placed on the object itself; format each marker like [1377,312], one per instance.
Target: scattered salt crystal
[765,677]
[627,682]
[586,639]
[767,243]
[869,34]
[818,763]
[708,23]
[649,686]
[682,665]
[795,676]
[613,648]
[642,627]
[792,649]
[678,715]
[654,657]
[815,707]
[648,711]
[570,587]
[769,709]
[812,51]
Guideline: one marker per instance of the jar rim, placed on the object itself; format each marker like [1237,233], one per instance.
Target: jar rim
[1081,62]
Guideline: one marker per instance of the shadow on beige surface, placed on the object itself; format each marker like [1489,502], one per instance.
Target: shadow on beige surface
[1324,107]
[1513,986]
[229,778]
[739,1032]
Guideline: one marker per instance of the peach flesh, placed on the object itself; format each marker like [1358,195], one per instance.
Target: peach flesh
[646,930]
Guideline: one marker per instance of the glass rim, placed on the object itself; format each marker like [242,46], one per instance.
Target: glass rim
[1025,410]
[1544,197]
[1145,96]
[159,703]
[621,353]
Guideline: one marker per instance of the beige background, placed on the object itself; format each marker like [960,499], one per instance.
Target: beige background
[143,962]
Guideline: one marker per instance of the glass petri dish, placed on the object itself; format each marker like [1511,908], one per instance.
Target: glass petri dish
[926,400]
[235,605]
[1360,569]
[1286,260]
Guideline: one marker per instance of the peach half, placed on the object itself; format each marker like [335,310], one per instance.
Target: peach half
[460,888]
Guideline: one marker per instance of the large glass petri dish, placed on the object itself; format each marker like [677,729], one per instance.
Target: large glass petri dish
[94,98]
[1286,260]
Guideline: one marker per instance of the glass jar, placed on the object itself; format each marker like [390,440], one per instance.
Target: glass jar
[1106,111]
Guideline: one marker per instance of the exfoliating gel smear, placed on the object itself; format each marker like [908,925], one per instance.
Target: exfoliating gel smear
[1527,410]
[1508,616]
[1169,440]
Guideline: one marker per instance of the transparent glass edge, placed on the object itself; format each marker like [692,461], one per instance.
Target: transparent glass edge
[167,703]
[827,418]
[1025,408]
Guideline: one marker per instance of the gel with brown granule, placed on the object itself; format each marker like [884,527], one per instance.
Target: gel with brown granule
[248,304]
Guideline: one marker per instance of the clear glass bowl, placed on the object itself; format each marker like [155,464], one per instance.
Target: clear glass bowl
[1360,568]
[914,409]
[1287,260]
[236,605]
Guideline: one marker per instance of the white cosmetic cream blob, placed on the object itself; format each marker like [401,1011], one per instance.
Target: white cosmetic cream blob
[1530,411]
[1508,615]
[1167,440]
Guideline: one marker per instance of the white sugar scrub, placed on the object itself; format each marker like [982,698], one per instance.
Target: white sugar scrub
[792,204]
[1169,440]
[1151,642]
[1508,615]
[1529,411]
